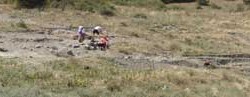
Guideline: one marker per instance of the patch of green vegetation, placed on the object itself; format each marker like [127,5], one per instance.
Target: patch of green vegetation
[93,77]
[102,6]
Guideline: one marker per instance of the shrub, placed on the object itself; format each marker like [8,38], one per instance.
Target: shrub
[22,24]
[203,2]
[101,6]
[107,10]
[59,3]
[247,2]
[30,3]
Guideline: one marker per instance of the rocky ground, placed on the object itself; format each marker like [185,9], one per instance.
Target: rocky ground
[41,46]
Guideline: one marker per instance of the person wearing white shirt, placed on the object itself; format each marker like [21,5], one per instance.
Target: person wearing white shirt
[81,34]
[97,30]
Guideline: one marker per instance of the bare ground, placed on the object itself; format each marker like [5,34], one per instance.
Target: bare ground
[41,46]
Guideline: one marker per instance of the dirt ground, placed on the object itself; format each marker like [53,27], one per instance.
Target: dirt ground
[41,46]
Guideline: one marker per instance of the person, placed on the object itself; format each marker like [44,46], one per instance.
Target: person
[103,42]
[81,34]
[97,30]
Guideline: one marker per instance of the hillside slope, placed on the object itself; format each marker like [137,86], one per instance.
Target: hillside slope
[154,52]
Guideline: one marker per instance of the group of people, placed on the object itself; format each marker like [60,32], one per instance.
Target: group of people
[102,40]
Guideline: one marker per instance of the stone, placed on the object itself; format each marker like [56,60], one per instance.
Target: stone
[70,52]
[24,47]
[3,50]
[40,39]
[38,46]
[63,52]
[54,48]
[127,57]
[76,46]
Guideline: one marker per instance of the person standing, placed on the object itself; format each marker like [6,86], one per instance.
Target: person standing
[81,34]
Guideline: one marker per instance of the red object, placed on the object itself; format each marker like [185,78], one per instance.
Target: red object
[104,40]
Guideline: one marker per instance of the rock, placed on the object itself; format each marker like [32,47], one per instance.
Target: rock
[86,67]
[40,39]
[38,46]
[70,45]
[70,52]
[54,48]
[76,46]
[24,47]
[49,33]
[1,42]
[64,52]
[74,37]
[127,57]
[3,50]
[60,40]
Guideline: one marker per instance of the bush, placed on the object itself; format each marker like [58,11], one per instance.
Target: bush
[203,2]
[59,3]
[104,8]
[107,12]
[30,3]
[22,24]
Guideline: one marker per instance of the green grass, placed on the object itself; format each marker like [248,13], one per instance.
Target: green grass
[95,77]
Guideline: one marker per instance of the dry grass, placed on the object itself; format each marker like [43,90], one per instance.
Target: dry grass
[194,31]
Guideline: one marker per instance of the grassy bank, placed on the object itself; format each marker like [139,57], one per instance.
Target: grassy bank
[95,77]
